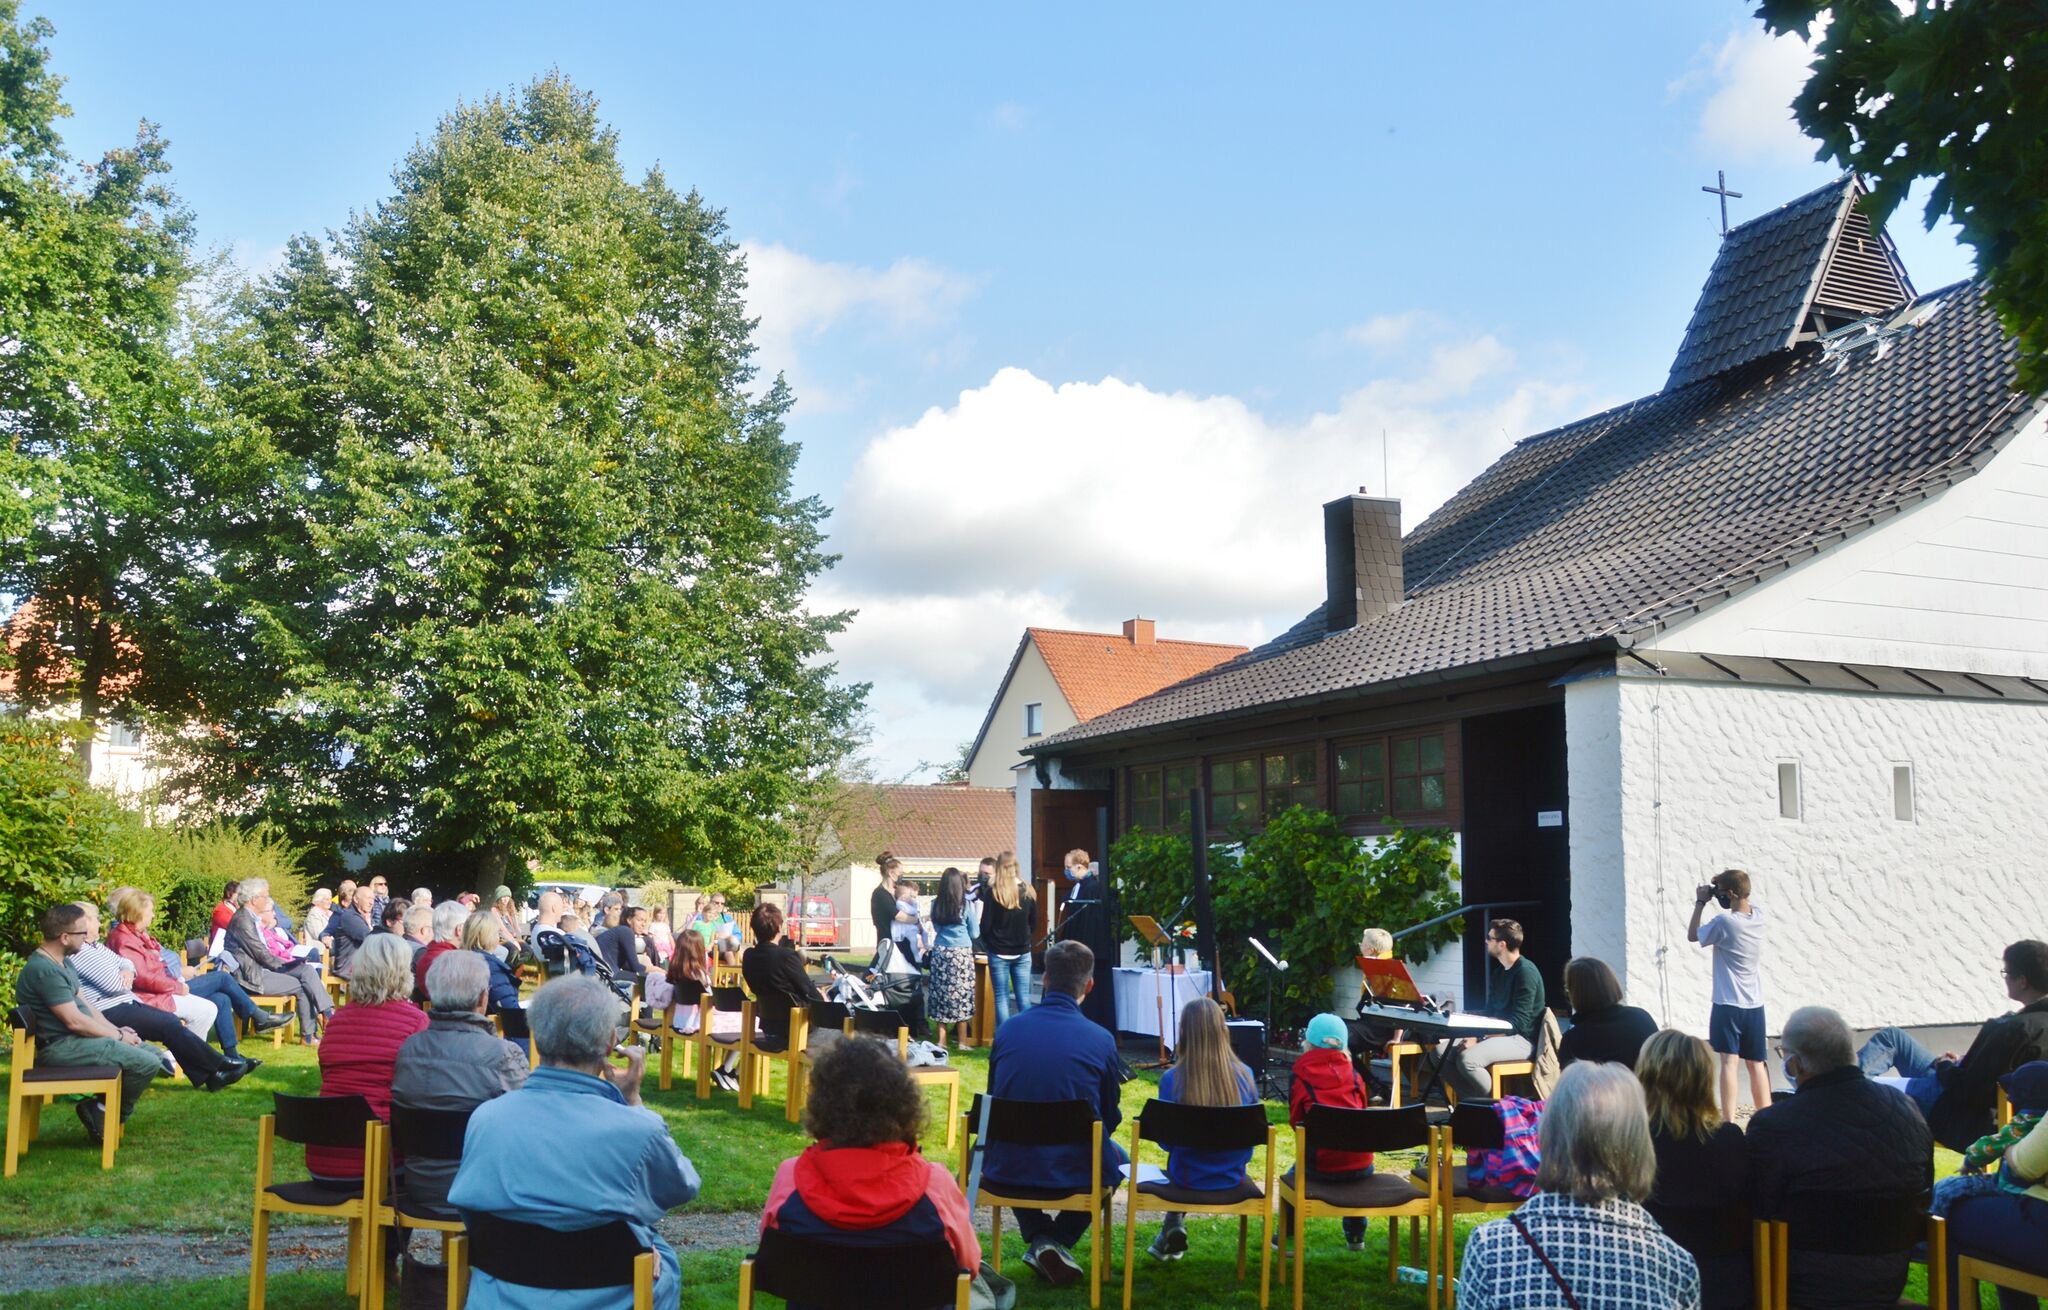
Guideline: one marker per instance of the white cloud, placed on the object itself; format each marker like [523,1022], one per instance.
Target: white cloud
[1385,331]
[1085,503]
[798,298]
[1749,84]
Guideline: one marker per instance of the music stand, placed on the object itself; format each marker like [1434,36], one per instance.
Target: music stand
[1389,982]
[1149,929]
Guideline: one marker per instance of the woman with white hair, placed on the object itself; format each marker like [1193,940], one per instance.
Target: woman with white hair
[264,972]
[1585,1240]
[363,1037]
[317,914]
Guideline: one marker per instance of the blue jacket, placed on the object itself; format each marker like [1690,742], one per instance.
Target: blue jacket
[624,1166]
[504,993]
[1051,1052]
[1211,1170]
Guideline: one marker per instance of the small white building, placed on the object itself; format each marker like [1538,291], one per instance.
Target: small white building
[1788,614]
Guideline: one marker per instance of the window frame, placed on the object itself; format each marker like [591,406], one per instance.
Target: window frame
[1034,718]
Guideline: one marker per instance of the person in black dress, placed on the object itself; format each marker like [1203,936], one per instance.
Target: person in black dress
[775,973]
[1702,1166]
[1603,1029]
[1086,919]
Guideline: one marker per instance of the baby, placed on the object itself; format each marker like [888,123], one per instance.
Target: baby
[913,937]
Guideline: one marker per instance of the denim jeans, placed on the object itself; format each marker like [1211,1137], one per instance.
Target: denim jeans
[1895,1051]
[230,1000]
[1010,980]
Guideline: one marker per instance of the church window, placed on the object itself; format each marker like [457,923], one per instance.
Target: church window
[1902,792]
[1362,780]
[1788,789]
[1290,778]
[1159,797]
[1233,791]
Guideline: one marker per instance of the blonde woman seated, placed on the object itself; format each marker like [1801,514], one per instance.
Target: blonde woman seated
[1205,1072]
[1702,1165]
[480,933]
[1585,1239]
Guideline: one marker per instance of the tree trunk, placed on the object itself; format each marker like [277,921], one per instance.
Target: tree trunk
[491,869]
[99,661]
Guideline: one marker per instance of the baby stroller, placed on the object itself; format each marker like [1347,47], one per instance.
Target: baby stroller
[890,983]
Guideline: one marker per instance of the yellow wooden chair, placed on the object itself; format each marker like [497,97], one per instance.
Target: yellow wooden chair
[1972,1270]
[2001,1107]
[1203,1128]
[825,1017]
[1397,1052]
[1378,1195]
[836,1276]
[1850,1223]
[711,1047]
[757,1063]
[888,1025]
[585,1259]
[1040,1123]
[315,1121]
[411,1135]
[28,1087]
[276,1005]
[1472,1126]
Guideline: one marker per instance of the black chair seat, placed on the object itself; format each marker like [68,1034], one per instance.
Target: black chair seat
[1460,1187]
[57,1073]
[1370,1192]
[420,1211]
[1024,1193]
[1246,1190]
[312,1192]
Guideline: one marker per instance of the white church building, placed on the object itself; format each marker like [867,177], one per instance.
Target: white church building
[1787,614]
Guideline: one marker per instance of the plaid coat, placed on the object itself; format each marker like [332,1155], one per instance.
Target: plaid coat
[1612,1256]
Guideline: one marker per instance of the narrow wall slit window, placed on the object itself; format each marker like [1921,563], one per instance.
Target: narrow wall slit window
[1788,789]
[1902,792]
[1034,720]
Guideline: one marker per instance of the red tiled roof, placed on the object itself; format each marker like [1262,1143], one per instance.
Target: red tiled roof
[1098,671]
[33,631]
[945,822]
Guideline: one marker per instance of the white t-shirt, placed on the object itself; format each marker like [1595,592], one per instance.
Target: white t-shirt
[1738,942]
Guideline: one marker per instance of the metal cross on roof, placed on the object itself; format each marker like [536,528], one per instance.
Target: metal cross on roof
[1720,188]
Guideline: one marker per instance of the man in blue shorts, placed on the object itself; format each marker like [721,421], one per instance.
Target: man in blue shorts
[1736,1027]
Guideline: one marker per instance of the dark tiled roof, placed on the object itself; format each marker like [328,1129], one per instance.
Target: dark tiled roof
[1756,296]
[1607,528]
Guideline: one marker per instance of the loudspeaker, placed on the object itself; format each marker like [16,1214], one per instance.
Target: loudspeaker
[1248,1041]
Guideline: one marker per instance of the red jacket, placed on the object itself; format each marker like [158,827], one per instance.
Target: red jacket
[154,984]
[223,915]
[888,1192]
[358,1054]
[424,961]
[1325,1076]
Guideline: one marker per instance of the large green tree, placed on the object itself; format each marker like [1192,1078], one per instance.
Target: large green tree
[1956,91]
[502,556]
[94,262]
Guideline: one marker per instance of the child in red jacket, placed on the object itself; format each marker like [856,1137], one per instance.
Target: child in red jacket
[1324,1075]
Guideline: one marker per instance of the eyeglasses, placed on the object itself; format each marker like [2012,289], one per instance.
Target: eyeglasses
[75,932]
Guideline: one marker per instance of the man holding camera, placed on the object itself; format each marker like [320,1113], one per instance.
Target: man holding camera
[1735,1028]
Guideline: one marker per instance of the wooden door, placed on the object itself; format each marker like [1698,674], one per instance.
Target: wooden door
[1060,822]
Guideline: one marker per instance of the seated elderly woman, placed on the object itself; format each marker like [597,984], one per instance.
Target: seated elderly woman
[362,1043]
[863,1174]
[1585,1239]
[481,934]
[159,980]
[458,1063]
[624,1165]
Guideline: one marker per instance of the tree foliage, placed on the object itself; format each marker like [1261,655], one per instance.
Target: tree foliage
[503,557]
[1956,91]
[94,261]
[1303,886]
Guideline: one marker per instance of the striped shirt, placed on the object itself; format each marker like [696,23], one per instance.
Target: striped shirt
[1612,1256]
[104,978]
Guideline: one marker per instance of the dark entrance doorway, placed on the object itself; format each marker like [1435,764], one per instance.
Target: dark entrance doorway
[1061,821]
[1517,840]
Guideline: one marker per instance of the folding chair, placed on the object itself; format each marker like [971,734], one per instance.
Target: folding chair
[1473,1126]
[720,1000]
[528,1255]
[315,1121]
[825,1017]
[1203,1128]
[888,1024]
[1041,1123]
[843,1276]
[756,1061]
[1377,1194]
[28,1087]
[412,1135]
[1850,1223]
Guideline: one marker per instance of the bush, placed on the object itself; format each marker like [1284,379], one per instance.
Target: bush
[58,836]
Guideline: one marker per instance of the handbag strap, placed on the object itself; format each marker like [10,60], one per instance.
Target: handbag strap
[1544,1256]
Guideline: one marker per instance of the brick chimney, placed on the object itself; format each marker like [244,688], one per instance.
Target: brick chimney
[1138,632]
[1361,559]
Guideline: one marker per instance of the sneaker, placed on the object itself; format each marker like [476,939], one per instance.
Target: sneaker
[725,1080]
[1357,1245]
[94,1116]
[1171,1244]
[1053,1263]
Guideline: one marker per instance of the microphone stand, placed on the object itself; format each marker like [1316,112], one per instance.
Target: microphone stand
[1273,966]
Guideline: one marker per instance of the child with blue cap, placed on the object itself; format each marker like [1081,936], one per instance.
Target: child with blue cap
[1324,1075]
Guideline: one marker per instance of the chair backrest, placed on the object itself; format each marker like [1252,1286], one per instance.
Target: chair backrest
[321,1120]
[513,1024]
[1851,1223]
[1333,1128]
[728,1000]
[1036,1123]
[827,1016]
[428,1134]
[17,1019]
[843,1276]
[532,1256]
[1203,1127]
[1476,1126]
[878,1023]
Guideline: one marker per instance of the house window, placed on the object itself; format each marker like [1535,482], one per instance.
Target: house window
[1159,797]
[1233,791]
[1788,789]
[1361,790]
[124,736]
[1418,774]
[1290,779]
[1034,720]
[1902,792]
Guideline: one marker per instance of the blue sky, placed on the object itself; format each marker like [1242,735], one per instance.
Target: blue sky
[1087,308]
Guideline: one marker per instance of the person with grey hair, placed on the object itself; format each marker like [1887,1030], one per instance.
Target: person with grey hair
[419,927]
[363,1041]
[1840,1142]
[422,898]
[265,973]
[458,1063]
[1584,1239]
[626,1167]
[449,918]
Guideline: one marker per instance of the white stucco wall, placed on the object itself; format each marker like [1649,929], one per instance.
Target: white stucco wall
[1887,921]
